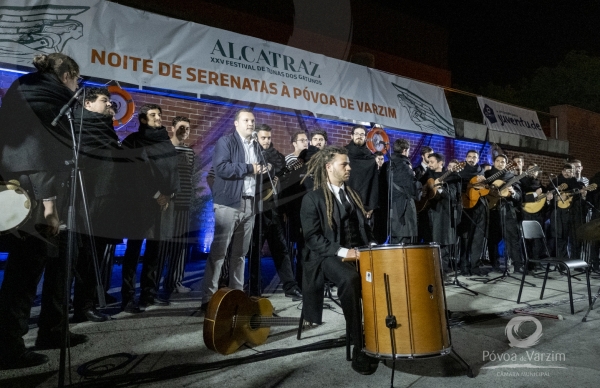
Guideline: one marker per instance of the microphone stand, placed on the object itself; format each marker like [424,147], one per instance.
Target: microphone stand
[254,265]
[452,252]
[390,179]
[71,234]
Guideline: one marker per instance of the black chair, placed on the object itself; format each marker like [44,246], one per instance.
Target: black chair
[533,230]
[329,295]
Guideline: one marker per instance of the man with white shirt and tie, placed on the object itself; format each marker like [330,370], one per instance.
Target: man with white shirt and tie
[333,223]
[236,163]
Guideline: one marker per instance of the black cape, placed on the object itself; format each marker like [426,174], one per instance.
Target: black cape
[364,177]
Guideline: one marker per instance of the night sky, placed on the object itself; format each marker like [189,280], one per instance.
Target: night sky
[505,41]
[489,40]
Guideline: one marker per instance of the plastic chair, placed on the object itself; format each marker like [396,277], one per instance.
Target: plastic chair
[533,230]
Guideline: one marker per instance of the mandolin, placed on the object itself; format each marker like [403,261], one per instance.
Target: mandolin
[430,188]
[499,189]
[540,201]
[233,319]
[476,190]
[268,190]
[567,198]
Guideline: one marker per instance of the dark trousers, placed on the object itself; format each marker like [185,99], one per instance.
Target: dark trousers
[28,259]
[272,232]
[504,226]
[149,276]
[173,247]
[472,231]
[563,229]
[347,280]
[84,295]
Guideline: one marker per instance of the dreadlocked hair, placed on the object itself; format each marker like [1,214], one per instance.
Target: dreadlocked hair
[317,169]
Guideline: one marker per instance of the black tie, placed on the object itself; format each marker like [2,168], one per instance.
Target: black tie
[345,202]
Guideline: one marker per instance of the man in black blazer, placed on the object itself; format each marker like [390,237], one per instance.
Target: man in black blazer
[333,223]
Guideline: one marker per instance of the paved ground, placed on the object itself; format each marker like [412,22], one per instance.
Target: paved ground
[164,346]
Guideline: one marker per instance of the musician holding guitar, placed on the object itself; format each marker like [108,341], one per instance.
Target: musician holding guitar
[473,227]
[503,217]
[438,221]
[567,213]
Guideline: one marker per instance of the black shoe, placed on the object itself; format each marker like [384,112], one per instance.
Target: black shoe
[131,308]
[479,272]
[54,341]
[154,302]
[295,294]
[363,364]
[204,307]
[91,315]
[27,359]
[519,269]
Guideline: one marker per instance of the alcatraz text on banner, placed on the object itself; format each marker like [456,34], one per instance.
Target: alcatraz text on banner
[220,79]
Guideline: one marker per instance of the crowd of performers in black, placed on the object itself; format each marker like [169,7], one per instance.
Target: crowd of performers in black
[141,188]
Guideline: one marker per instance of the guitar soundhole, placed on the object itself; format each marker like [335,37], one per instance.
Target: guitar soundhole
[255,322]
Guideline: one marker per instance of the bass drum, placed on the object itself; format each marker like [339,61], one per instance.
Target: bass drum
[417,300]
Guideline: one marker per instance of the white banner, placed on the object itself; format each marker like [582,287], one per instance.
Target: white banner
[509,118]
[116,42]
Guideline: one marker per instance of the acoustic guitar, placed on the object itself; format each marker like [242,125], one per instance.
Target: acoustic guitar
[499,189]
[567,198]
[233,319]
[476,190]
[268,190]
[430,188]
[540,201]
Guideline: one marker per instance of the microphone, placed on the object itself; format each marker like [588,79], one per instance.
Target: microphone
[67,106]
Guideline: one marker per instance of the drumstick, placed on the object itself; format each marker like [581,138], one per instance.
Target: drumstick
[541,315]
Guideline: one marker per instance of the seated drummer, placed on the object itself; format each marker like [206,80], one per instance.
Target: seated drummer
[334,224]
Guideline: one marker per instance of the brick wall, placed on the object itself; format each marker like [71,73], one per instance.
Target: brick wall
[210,121]
[582,129]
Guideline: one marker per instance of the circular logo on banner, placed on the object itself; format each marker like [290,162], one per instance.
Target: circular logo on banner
[122,104]
[512,332]
[378,140]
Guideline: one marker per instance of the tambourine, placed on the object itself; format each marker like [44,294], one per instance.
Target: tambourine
[15,206]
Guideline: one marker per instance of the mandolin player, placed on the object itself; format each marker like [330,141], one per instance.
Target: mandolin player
[563,225]
[503,220]
[472,228]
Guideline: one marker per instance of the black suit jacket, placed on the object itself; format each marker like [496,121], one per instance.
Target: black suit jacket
[321,242]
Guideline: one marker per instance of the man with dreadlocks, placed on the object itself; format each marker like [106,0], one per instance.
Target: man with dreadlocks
[333,223]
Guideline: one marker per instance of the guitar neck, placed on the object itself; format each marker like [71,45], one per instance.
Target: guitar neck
[515,179]
[495,176]
[448,172]
[257,321]
[292,167]
[445,175]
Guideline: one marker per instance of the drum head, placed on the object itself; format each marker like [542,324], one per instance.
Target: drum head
[397,246]
[15,208]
